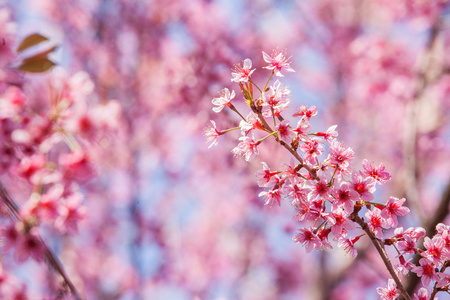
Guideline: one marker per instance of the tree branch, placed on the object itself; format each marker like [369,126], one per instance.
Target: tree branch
[50,258]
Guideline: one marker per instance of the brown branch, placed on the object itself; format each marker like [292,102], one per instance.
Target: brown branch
[50,258]
[381,251]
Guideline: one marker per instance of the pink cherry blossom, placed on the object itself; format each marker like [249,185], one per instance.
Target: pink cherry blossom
[344,197]
[312,148]
[242,74]
[77,166]
[435,250]
[305,113]
[407,245]
[302,129]
[426,272]
[224,100]
[70,214]
[308,238]
[251,122]
[392,209]
[404,266]
[339,155]
[376,222]
[285,132]
[378,173]
[277,62]
[273,196]
[265,176]
[330,134]
[349,246]
[422,294]
[212,134]
[246,148]
[319,188]
[342,224]
[390,292]
[364,186]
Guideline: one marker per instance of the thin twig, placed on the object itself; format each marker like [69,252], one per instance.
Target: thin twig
[50,258]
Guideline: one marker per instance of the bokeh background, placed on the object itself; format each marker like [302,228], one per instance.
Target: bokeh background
[170,219]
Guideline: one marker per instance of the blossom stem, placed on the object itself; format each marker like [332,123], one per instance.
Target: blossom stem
[273,133]
[236,111]
[256,86]
[268,80]
[273,116]
[228,130]
[332,177]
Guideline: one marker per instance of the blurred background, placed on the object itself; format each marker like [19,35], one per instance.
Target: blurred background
[168,218]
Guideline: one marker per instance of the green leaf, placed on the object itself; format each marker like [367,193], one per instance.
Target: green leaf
[30,41]
[36,65]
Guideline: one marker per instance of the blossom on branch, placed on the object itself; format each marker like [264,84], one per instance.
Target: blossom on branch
[223,100]
[242,74]
[277,62]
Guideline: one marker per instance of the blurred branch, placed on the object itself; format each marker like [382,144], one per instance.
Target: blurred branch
[51,258]
[424,77]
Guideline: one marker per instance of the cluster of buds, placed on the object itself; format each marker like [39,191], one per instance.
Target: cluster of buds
[321,183]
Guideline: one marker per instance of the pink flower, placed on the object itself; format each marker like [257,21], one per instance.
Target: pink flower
[349,246]
[378,173]
[339,155]
[407,245]
[70,213]
[389,293]
[330,134]
[421,295]
[285,133]
[32,168]
[277,62]
[323,233]
[11,102]
[252,122]
[223,100]
[265,177]
[318,188]
[306,114]
[307,237]
[404,266]
[344,197]
[30,245]
[312,148]
[435,250]
[444,279]
[242,74]
[246,148]
[365,187]
[77,166]
[272,197]
[276,98]
[212,134]
[426,271]
[302,129]
[289,172]
[375,222]
[393,209]
[342,225]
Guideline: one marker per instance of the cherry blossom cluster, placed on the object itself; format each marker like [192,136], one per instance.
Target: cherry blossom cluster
[327,191]
[49,151]
[47,140]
